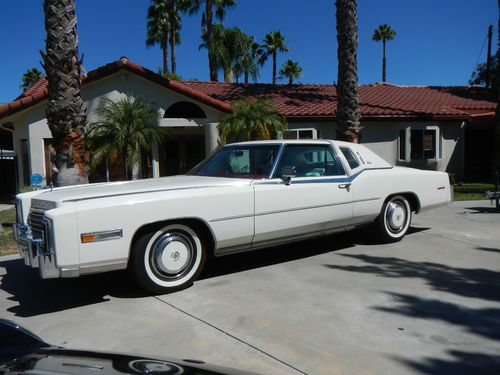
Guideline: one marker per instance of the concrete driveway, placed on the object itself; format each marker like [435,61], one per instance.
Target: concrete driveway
[338,305]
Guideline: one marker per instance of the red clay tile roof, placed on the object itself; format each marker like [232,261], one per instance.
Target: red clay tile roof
[377,100]
[302,101]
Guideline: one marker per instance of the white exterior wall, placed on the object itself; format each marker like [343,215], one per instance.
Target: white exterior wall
[31,124]
[382,138]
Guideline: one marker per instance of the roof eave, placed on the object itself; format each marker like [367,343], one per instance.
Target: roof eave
[94,75]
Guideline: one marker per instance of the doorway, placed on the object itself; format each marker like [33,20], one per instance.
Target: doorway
[180,155]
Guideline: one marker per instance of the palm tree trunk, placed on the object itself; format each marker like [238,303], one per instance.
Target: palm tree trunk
[164,48]
[383,60]
[246,72]
[348,113]
[274,67]
[211,62]
[497,125]
[172,37]
[172,53]
[290,80]
[228,75]
[65,111]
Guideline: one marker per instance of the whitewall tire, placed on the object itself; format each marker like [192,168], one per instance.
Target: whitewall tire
[394,219]
[167,259]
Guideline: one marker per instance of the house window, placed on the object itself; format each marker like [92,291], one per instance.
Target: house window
[402,144]
[422,143]
[25,160]
[184,110]
[306,133]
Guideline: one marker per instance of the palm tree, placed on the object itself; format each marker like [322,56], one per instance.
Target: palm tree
[65,111]
[31,76]
[274,42]
[496,144]
[158,28]
[348,113]
[251,120]
[383,33]
[248,62]
[291,70]
[220,6]
[168,75]
[123,132]
[229,46]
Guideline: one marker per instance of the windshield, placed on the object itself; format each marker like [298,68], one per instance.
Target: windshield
[241,161]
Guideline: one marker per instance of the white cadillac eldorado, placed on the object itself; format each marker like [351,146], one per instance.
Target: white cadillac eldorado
[245,196]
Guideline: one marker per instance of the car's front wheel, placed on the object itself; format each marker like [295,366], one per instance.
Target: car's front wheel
[167,259]
[394,219]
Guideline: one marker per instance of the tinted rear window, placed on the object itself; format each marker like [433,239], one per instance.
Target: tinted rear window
[351,159]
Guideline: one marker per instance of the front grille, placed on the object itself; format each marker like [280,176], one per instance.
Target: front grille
[36,224]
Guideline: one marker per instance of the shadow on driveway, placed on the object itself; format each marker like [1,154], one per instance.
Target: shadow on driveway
[477,283]
[35,296]
[483,210]
[466,282]
[463,363]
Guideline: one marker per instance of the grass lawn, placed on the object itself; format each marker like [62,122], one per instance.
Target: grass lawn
[471,191]
[7,244]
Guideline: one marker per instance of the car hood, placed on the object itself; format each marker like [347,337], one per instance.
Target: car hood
[49,198]
[60,361]
[22,351]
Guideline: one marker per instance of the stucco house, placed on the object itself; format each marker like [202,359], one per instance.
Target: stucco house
[423,127]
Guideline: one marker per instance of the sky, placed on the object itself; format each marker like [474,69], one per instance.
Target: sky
[438,42]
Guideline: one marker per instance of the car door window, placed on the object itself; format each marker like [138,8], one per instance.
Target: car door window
[310,161]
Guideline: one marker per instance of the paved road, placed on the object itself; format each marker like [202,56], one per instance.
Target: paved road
[339,305]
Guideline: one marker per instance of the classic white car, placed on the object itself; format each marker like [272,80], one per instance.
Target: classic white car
[245,196]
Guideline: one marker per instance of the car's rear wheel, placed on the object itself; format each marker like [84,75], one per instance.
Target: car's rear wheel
[394,219]
[167,259]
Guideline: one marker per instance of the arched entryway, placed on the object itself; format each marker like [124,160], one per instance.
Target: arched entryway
[184,146]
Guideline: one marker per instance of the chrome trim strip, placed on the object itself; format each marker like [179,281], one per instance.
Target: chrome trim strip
[278,158]
[284,240]
[302,208]
[231,218]
[103,267]
[106,235]
[366,200]
[293,209]
[317,180]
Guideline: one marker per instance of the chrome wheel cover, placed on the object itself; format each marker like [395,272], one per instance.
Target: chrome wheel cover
[396,216]
[172,255]
[146,366]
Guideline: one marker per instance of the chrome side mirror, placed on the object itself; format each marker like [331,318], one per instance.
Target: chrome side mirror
[287,172]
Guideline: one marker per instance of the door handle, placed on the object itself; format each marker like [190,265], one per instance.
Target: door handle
[345,186]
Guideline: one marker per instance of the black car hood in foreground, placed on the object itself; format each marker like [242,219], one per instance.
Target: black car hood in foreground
[23,352]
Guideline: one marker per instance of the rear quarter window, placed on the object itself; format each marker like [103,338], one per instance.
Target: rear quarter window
[351,159]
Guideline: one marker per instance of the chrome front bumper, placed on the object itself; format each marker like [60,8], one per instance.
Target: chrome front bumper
[30,251]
